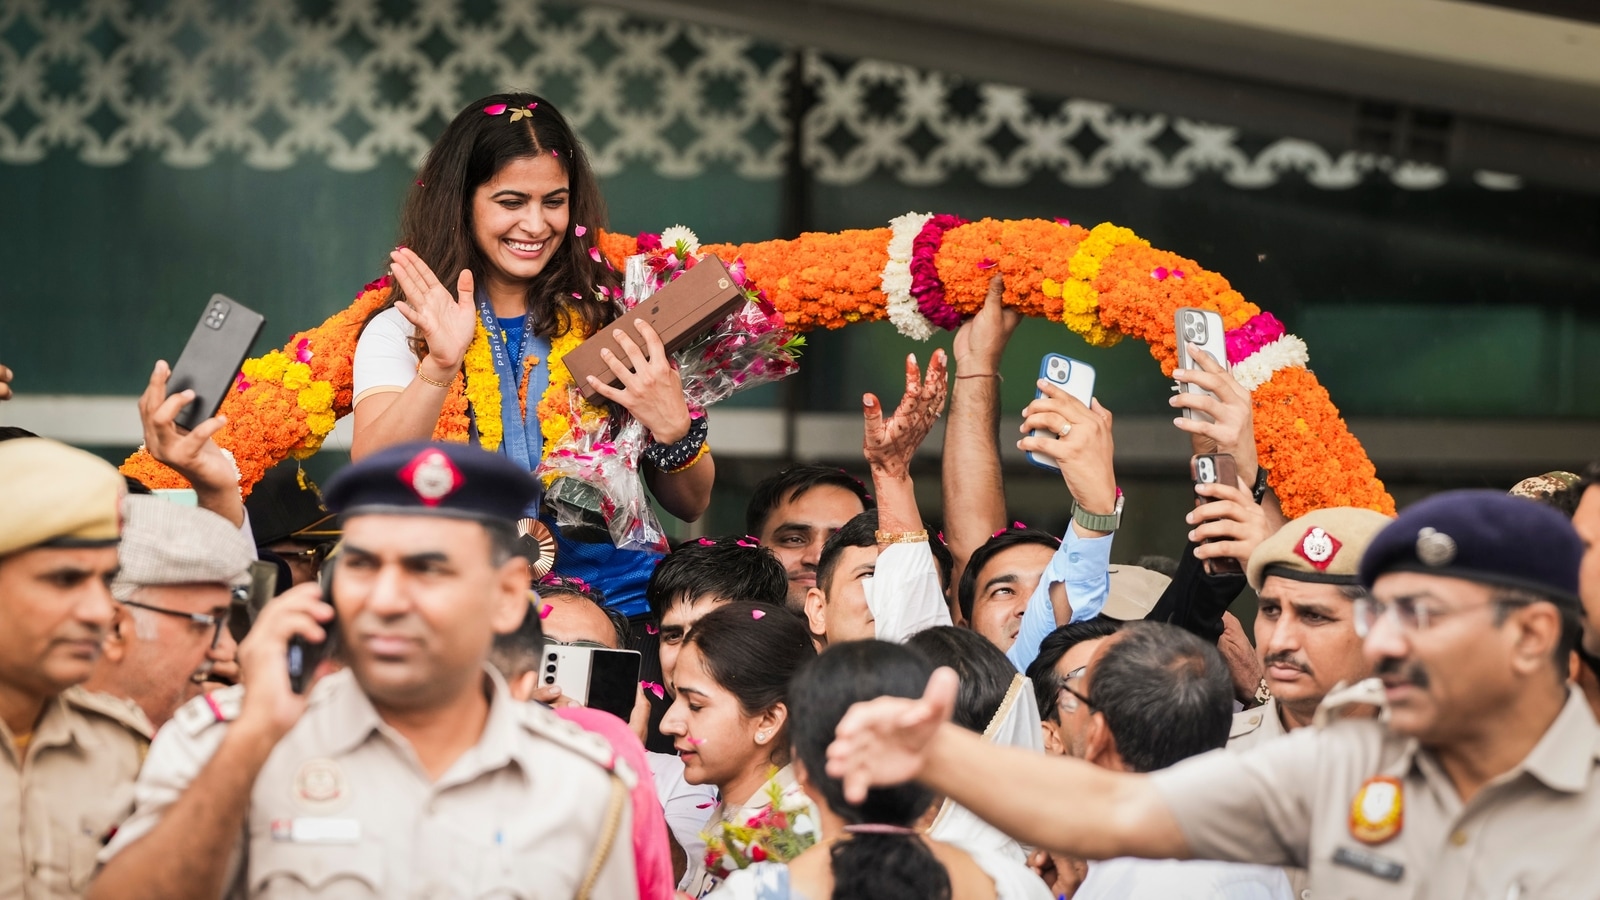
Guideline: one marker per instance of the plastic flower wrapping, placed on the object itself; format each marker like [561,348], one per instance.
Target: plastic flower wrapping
[781,831]
[592,468]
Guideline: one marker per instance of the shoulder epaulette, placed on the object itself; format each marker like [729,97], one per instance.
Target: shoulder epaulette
[1247,721]
[1367,692]
[118,709]
[209,709]
[545,723]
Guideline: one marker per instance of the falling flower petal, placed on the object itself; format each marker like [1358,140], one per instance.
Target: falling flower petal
[576,295]
[706,805]
[706,542]
[652,687]
[594,253]
[1018,525]
[1159,273]
[239,384]
[1177,273]
[757,614]
[494,109]
[1064,223]
[987,263]
[545,611]
[579,230]
[651,629]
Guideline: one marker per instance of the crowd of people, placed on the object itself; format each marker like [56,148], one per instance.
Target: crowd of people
[348,692]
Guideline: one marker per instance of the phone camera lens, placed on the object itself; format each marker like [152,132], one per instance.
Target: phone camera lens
[550,668]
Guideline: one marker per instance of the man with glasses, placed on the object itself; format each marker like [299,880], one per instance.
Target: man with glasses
[180,567]
[68,757]
[1481,781]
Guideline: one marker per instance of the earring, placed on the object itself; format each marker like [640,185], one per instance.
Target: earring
[761,737]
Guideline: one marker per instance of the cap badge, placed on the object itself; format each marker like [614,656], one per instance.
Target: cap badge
[1318,548]
[432,476]
[1435,548]
[1377,813]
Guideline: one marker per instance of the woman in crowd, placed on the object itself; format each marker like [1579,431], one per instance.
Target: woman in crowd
[500,230]
[730,719]
[872,849]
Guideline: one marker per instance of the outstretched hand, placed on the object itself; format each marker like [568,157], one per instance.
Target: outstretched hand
[981,340]
[192,454]
[447,322]
[886,741]
[890,443]
[1231,429]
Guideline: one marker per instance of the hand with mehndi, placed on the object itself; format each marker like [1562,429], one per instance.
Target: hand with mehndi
[890,443]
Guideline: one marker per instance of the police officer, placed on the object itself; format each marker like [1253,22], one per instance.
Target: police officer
[179,566]
[67,757]
[1305,577]
[1481,784]
[411,771]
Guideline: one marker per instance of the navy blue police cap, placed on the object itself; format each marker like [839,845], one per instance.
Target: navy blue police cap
[1482,536]
[452,480]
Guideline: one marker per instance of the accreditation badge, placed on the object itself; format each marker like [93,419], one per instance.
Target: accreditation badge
[1378,811]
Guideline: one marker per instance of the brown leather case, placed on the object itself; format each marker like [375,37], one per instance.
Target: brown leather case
[681,311]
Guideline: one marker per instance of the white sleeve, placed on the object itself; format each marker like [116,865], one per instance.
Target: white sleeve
[903,593]
[383,360]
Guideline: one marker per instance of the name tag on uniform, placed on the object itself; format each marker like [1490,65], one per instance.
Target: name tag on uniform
[1370,863]
[317,830]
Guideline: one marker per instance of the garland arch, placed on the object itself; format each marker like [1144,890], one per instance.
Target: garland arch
[922,272]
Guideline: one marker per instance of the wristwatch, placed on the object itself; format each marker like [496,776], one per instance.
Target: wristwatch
[1093,522]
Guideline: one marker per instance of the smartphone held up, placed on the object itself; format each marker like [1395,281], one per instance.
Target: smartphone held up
[1201,328]
[1072,376]
[216,349]
[1216,468]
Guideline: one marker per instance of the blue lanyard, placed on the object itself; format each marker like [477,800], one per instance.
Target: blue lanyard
[522,441]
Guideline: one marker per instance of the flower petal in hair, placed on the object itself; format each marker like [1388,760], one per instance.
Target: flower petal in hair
[525,112]
[757,614]
[494,109]
[579,230]
[651,629]
[545,611]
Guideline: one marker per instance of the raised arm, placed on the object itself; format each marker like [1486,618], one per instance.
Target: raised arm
[446,323]
[192,454]
[974,495]
[1057,803]
[1232,429]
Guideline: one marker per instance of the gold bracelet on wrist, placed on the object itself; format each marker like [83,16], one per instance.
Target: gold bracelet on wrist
[903,537]
[427,380]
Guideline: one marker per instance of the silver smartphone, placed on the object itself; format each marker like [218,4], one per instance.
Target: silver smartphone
[1203,329]
[596,677]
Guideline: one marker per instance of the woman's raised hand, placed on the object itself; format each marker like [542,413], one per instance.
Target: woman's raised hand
[447,322]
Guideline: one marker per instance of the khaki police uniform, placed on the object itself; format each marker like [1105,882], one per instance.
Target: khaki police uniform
[1252,727]
[1300,801]
[342,808]
[68,792]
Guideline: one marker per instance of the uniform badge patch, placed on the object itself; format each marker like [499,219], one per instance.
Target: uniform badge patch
[1378,811]
[320,784]
[1318,548]
[432,477]
[1435,548]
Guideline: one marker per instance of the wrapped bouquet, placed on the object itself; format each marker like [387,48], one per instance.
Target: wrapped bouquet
[782,830]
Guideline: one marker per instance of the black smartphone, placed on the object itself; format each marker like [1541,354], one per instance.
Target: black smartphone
[594,676]
[1216,468]
[218,346]
[304,656]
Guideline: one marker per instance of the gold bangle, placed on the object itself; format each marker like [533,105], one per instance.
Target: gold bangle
[903,537]
[427,380]
[705,449]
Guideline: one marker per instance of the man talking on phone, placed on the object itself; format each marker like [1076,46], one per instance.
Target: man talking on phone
[412,768]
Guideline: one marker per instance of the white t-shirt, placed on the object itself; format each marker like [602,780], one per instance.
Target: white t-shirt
[686,805]
[384,361]
[1126,878]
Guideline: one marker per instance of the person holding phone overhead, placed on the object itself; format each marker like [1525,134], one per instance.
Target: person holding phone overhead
[409,767]
[499,230]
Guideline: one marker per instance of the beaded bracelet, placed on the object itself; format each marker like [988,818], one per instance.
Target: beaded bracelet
[705,449]
[667,457]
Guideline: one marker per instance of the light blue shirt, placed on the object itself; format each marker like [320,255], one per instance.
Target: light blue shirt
[1084,565]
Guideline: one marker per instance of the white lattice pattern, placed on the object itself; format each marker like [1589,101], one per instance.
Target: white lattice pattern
[350,82]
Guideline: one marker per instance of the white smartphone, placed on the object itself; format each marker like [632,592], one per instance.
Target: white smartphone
[1202,328]
[596,677]
[1072,376]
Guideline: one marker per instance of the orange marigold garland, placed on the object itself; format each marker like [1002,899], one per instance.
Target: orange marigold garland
[1103,283]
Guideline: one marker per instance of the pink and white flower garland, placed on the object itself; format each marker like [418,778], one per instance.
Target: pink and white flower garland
[1261,347]
[896,279]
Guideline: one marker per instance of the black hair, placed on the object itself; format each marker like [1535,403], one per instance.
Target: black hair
[1166,695]
[1042,671]
[790,483]
[967,592]
[135,486]
[436,219]
[1507,598]
[866,865]
[724,569]
[519,651]
[752,650]
[1155,562]
[944,559]
[554,585]
[861,531]
[12,432]
[985,672]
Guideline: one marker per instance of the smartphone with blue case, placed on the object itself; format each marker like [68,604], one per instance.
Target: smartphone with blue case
[1074,377]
